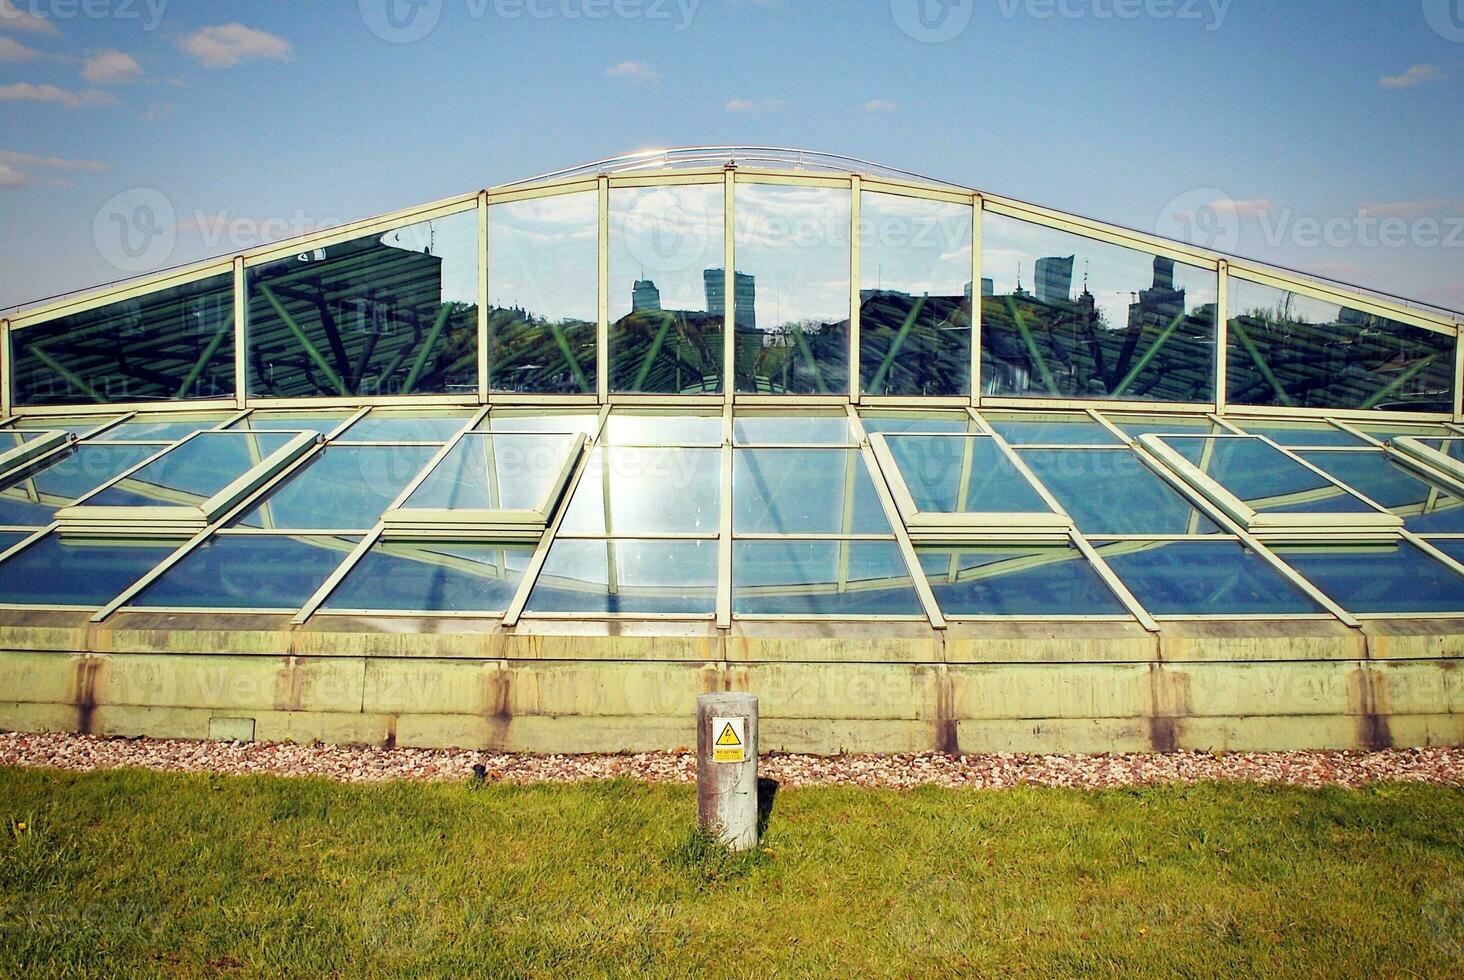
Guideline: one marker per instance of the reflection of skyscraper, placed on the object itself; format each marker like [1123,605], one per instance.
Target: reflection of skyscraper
[1055,279]
[1161,302]
[745,300]
[644,296]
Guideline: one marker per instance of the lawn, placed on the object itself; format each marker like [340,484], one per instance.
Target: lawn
[129,872]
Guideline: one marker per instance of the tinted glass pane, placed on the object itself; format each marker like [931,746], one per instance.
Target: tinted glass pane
[384,314]
[631,429]
[57,571]
[1423,507]
[1067,316]
[667,315]
[1265,478]
[804,491]
[192,472]
[156,430]
[1138,425]
[1385,578]
[249,571]
[81,425]
[1300,434]
[170,344]
[34,496]
[342,488]
[1112,492]
[954,423]
[1204,578]
[963,474]
[508,421]
[647,491]
[821,578]
[914,296]
[494,472]
[1452,448]
[543,294]
[322,422]
[9,539]
[1017,581]
[628,576]
[1453,547]
[774,430]
[388,427]
[1388,433]
[792,289]
[1292,350]
[434,576]
[1055,429]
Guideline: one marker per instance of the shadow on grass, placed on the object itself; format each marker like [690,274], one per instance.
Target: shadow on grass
[709,860]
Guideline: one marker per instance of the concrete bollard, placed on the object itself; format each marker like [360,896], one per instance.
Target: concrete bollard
[726,768]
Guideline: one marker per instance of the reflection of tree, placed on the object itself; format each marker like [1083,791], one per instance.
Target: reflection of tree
[914,345]
[668,351]
[807,357]
[537,354]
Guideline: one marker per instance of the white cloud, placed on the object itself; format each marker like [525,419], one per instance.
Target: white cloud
[635,71]
[756,105]
[12,178]
[881,105]
[13,50]
[18,20]
[1417,75]
[55,163]
[1243,209]
[111,67]
[1405,209]
[227,45]
[159,110]
[26,92]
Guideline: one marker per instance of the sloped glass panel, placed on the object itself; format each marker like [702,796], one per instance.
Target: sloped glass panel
[1264,478]
[1304,434]
[821,578]
[628,576]
[156,429]
[791,292]
[804,491]
[249,571]
[313,421]
[388,426]
[511,421]
[80,425]
[543,294]
[1424,508]
[434,576]
[783,430]
[1138,425]
[1394,578]
[393,313]
[33,496]
[1296,351]
[1109,491]
[67,571]
[9,539]
[1204,578]
[647,429]
[667,314]
[647,491]
[1052,429]
[343,488]
[963,474]
[1025,580]
[170,344]
[495,472]
[1064,316]
[951,423]
[914,296]
[192,472]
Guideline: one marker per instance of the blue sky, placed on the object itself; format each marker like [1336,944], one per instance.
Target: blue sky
[1325,133]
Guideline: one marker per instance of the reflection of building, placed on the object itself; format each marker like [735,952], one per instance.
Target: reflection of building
[644,296]
[1055,279]
[745,299]
[1161,302]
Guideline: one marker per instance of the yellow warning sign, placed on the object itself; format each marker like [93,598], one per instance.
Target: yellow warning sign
[729,740]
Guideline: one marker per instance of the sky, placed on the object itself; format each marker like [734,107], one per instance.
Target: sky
[1321,135]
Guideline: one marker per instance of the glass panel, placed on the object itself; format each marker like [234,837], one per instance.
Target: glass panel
[543,294]
[1204,578]
[249,571]
[635,429]
[667,316]
[1067,316]
[342,488]
[434,576]
[1294,350]
[1113,492]
[914,296]
[963,474]
[79,424]
[1452,448]
[34,496]
[775,430]
[1138,425]
[1303,434]
[9,539]
[647,491]
[379,426]
[1423,507]
[1265,478]
[174,343]
[1053,429]
[192,472]
[157,430]
[954,423]
[57,571]
[322,422]
[821,578]
[628,576]
[1453,547]
[495,472]
[1388,433]
[501,421]
[792,289]
[1394,578]
[804,491]
[1027,580]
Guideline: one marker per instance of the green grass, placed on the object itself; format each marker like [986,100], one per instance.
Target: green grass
[130,872]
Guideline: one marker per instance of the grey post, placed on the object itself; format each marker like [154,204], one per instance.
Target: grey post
[726,768]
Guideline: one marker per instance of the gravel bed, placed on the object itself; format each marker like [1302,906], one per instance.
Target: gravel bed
[370,764]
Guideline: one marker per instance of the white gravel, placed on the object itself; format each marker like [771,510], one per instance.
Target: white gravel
[368,764]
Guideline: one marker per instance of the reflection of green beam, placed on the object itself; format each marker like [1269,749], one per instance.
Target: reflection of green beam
[807,353]
[1138,368]
[56,366]
[1265,369]
[208,352]
[1020,319]
[653,351]
[1399,381]
[897,343]
[427,345]
[574,365]
[310,348]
